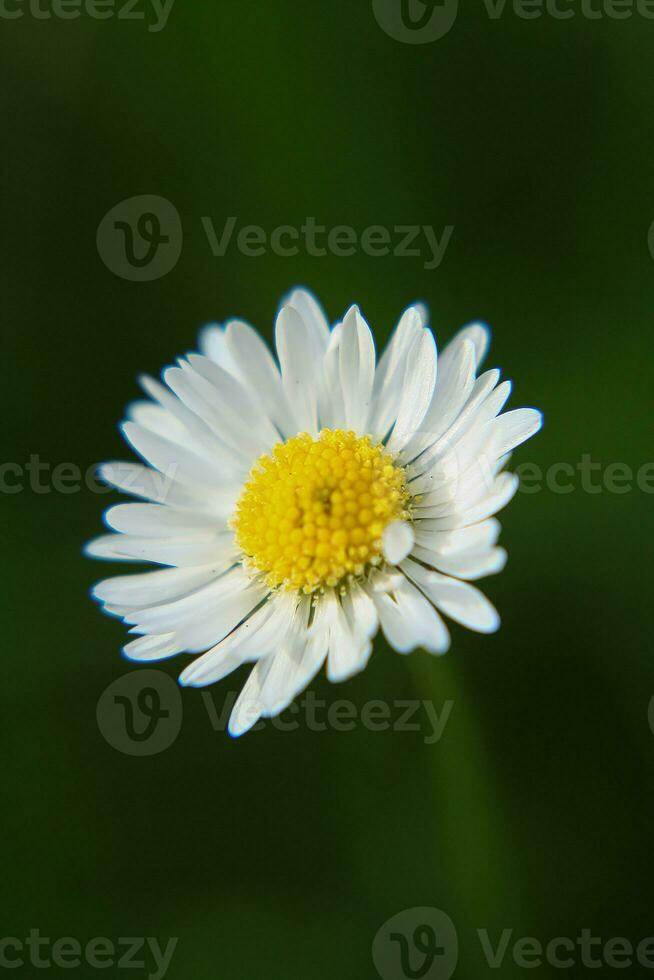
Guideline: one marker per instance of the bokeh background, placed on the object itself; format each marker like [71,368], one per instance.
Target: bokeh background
[281,854]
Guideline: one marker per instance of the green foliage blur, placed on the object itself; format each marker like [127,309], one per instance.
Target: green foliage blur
[281,855]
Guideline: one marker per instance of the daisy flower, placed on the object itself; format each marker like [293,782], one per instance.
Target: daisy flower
[303,502]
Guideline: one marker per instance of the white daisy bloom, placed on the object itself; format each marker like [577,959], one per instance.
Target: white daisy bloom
[301,503]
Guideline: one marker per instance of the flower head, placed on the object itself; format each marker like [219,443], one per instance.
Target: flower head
[300,504]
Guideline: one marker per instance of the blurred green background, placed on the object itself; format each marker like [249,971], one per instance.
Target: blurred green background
[281,854]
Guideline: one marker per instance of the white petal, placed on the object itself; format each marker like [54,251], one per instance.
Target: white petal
[170,458]
[397,541]
[476,537]
[258,636]
[211,626]
[349,648]
[231,396]
[189,429]
[360,611]
[184,611]
[331,405]
[409,621]
[301,657]
[454,382]
[514,428]
[306,304]
[224,405]
[470,434]
[391,376]
[493,404]
[458,600]
[197,396]
[470,565]
[204,618]
[148,648]
[301,364]
[259,370]
[278,681]
[212,342]
[423,312]
[385,581]
[248,708]
[502,490]
[449,469]
[357,369]
[465,420]
[397,632]
[158,419]
[304,655]
[273,682]
[217,549]
[478,334]
[141,481]
[153,587]
[418,391]
[157,521]
[429,630]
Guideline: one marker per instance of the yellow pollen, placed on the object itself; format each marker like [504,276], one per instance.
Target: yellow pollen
[312,513]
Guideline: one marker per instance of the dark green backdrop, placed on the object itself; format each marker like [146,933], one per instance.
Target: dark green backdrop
[282,854]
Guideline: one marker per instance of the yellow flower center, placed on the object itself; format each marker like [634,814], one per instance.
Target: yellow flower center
[313,512]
